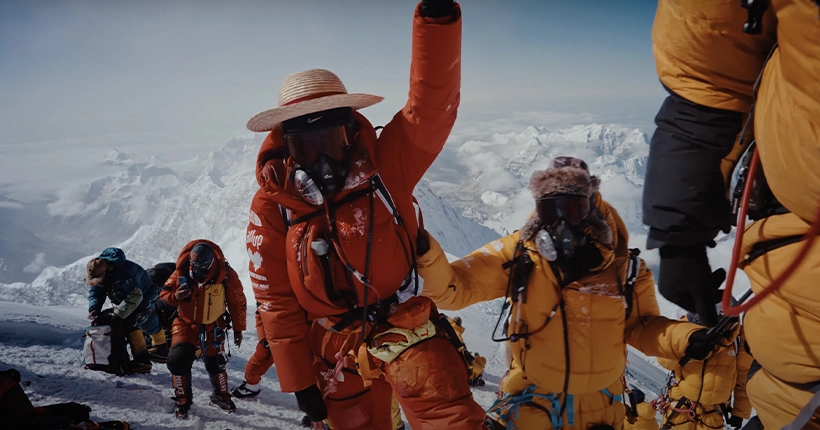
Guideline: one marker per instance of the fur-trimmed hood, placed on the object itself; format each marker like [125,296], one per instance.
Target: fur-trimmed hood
[567,176]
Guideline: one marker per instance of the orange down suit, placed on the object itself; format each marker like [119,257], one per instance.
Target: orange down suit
[202,310]
[702,55]
[287,277]
[712,383]
[597,327]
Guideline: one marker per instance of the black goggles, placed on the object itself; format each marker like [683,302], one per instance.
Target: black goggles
[572,209]
[199,269]
[306,146]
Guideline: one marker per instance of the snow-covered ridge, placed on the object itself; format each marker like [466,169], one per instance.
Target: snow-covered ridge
[152,211]
[498,167]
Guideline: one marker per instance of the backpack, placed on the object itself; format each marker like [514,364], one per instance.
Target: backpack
[104,348]
[165,312]
[101,352]
[161,272]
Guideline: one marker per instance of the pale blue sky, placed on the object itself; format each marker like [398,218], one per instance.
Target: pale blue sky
[75,69]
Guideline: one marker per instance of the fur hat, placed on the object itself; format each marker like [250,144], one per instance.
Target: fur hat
[566,176]
[96,270]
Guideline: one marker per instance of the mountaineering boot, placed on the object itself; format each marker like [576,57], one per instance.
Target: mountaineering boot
[159,347]
[139,350]
[246,390]
[220,397]
[182,395]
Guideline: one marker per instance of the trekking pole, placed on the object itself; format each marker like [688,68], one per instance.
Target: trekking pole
[718,331]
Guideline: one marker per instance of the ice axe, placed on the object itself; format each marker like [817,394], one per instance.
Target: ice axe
[719,331]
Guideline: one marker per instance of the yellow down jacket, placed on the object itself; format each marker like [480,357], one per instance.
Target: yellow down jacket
[702,55]
[724,374]
[647,418]
[597,327]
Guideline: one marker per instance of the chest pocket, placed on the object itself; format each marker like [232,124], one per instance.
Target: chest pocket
[213,302]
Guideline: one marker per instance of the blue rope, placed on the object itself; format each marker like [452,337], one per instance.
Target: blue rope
[514,403]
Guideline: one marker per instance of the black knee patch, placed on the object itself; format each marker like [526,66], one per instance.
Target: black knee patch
[181,358]
[215,364]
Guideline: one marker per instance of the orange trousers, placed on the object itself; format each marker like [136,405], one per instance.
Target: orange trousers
[261,360]
[429,380]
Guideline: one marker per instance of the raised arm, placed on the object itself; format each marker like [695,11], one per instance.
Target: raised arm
[410,142]
[478,277]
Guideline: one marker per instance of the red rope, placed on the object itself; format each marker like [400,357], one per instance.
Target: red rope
[342,361]
[776,284]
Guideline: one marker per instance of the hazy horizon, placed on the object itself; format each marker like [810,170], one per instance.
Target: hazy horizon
[190,71]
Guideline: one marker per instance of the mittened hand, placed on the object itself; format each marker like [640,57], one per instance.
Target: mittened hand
[237,338]
[93,314]
[687,280]
[700,346]
[437,8]
[310,402]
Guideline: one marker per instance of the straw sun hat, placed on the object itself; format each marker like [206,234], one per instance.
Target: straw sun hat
[307,92]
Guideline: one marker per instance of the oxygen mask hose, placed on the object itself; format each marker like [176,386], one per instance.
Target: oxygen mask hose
[777,283]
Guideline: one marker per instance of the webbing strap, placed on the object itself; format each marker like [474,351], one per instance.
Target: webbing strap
[618,398]
[513,403]
[802,419]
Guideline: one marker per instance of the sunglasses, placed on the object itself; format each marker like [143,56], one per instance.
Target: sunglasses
[306,146]
[573,209]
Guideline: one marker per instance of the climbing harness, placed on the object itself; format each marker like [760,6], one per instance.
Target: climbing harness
[508,407]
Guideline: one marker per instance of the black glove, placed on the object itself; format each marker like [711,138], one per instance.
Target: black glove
[735,421]
[699,346]
[437,8]
[687,280]
[310,402]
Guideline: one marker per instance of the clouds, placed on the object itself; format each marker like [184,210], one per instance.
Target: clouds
[200,70]
[37,265]
[11,205]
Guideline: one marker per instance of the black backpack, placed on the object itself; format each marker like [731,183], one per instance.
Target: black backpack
[165,312]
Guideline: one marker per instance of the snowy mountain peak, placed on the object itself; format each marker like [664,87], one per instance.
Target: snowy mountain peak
[152,211]
[494,190]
